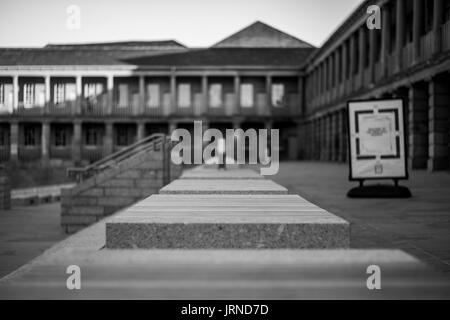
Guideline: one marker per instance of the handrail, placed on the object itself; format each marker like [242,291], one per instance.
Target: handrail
[146,144]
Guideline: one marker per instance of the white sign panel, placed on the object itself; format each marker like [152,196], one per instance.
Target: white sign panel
[377,140]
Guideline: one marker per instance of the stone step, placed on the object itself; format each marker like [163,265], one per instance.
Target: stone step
[226,274]
[212,173]
[218,186]
[226,221]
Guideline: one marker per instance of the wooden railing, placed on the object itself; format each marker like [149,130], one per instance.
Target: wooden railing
[408,55]
[91,153]
[4,153]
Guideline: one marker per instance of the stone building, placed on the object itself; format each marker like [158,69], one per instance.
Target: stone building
[73,104]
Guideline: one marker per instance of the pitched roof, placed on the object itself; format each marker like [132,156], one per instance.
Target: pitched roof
[261,35]
[122,45]
[228,57]
[65,56]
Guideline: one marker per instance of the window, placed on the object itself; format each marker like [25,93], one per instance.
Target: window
[246,98]
[63,92]
[30,136]
[153,96]
[92,90]
[184,95]
[60,137]
[92,137]
[215,95]
[278,95]
[33,95]
[123,95]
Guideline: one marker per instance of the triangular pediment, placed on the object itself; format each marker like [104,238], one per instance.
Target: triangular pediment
[261,35]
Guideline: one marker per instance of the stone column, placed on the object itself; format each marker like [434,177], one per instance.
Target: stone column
[237,90]
[110,93]
[418,23]
[76,141]
[205,101]
[385,37]
[45,142]
[372,52]
[336,71]
[14,141]
[417,126]
[141,107]
[108,139]
[362,51]
[140,131]
[300,106]
[400,31]
[15,93]
[48,97]
[79,93]
[172,127]
[438,126]
[269,94]
[352,65]
[344,63]
[333,132]
[173,92]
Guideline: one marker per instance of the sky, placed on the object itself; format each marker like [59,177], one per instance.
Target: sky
[195,23]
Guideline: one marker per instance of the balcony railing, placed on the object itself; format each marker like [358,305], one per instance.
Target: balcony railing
[154,111]
[92,153]
[408,55]
[124,110]
[28,153]
[62,108]
[99,108]
[4,153]
[31,110]
[427,46]
[60,152]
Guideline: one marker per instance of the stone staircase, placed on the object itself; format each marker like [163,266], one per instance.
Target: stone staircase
[116,182]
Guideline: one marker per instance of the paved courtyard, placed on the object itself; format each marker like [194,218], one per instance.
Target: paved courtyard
[420,225]
[26,232]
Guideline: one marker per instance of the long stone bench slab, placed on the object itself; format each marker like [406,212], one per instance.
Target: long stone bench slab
[202,172]
[227,274]
[217,186]
[226,221]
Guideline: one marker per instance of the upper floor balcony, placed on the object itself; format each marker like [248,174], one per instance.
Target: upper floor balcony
[145,96]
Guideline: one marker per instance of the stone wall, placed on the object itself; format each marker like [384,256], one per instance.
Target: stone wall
[114,189]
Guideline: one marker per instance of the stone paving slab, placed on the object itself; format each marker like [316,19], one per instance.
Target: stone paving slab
[226,274]
[226,221]
[217,186]
[212,173]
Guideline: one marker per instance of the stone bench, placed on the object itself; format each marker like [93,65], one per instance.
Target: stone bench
[225,186]
[209,173]
[226,221]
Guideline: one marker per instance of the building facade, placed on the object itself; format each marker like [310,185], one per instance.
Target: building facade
[408,58]
[73,104]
